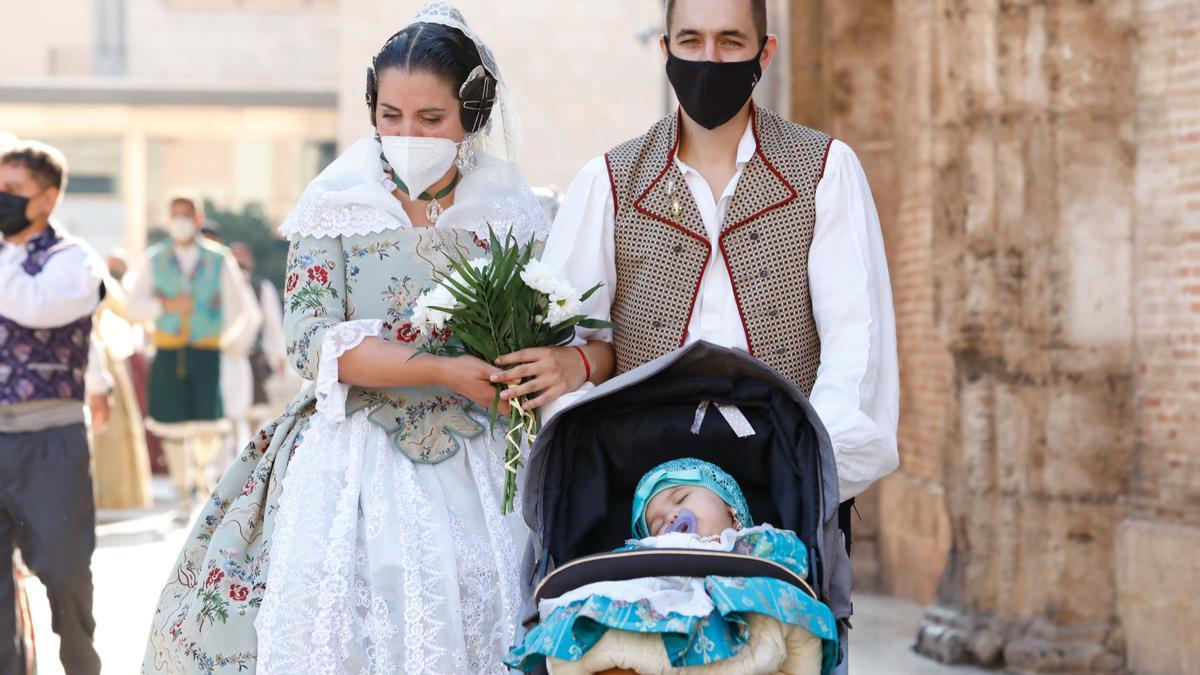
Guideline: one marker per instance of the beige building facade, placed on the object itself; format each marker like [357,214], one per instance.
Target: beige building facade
[244,101]
[234,101]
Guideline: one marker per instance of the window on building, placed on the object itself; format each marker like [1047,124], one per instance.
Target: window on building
[93,165]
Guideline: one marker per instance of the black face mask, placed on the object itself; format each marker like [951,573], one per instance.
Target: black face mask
[13,220]
[712,93]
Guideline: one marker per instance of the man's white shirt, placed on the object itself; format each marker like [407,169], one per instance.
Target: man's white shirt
[66,290]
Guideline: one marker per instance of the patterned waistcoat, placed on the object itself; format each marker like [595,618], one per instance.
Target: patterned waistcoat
[38,364]
[201,327]
[663,248]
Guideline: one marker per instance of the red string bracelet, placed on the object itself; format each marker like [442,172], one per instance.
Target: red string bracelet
[587,366]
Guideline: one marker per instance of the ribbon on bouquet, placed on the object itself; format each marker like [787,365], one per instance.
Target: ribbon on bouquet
[526,424]
[522,424]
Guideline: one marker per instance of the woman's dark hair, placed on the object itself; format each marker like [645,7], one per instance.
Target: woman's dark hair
[446,53]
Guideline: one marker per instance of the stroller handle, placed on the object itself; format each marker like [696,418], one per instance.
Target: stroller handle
[626,565]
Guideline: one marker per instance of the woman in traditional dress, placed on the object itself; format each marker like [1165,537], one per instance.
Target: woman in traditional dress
[121,477]
[361,531]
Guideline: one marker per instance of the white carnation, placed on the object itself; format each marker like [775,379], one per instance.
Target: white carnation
[544,279]
[564,302]
[562,308]
[425,317]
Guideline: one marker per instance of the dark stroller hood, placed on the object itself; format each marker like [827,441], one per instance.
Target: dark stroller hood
[589,457]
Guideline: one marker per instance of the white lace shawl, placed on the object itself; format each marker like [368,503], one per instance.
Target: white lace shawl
[353,197]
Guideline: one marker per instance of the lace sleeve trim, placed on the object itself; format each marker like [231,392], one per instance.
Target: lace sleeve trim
[331,392]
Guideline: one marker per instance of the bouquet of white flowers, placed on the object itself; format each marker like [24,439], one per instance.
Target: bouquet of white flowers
[491,307]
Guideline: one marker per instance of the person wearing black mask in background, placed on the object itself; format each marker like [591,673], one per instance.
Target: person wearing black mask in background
[729,224]
[51,285]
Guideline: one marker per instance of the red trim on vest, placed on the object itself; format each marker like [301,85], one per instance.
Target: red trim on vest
[737,297]
[762,155]
[612,186]
[637,205]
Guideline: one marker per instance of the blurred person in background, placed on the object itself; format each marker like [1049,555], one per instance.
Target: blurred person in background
[195,295]
[238,385]
[139,366]
[52,285]
[268,356]
[211,233]
[24,627]
[122,463]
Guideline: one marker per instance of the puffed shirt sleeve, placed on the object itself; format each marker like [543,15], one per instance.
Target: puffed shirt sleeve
[581,244]
[66,290]
[857,389]
[140,302]
[97,379]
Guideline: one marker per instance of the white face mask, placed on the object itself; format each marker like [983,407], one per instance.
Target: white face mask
[181,229]
[419,162]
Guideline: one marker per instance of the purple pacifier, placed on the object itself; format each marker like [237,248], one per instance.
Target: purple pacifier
[685,521]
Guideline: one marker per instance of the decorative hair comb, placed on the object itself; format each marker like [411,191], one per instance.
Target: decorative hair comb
[487,95]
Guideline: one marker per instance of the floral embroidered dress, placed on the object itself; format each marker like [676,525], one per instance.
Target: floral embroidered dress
[360,532]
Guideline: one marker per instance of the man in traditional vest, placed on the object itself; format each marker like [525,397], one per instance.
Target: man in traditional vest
[193,291]
[51,284]
[729,224]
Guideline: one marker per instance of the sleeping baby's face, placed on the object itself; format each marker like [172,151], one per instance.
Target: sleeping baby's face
[688,508]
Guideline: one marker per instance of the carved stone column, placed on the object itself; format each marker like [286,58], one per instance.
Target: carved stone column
[1033,104]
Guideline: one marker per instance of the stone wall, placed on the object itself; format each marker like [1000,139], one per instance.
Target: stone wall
[914,529]
[846,83]
[1040,195]
[1032,251]
[1158,547]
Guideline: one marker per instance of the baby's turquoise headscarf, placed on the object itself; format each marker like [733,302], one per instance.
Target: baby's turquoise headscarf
[687,471]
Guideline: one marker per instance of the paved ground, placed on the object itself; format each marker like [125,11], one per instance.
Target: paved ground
[136,550]
[129,568]
[881,642]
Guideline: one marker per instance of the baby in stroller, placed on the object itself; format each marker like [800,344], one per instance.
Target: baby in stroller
[711,625]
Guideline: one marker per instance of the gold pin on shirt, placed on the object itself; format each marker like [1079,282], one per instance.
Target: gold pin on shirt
[676,207]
